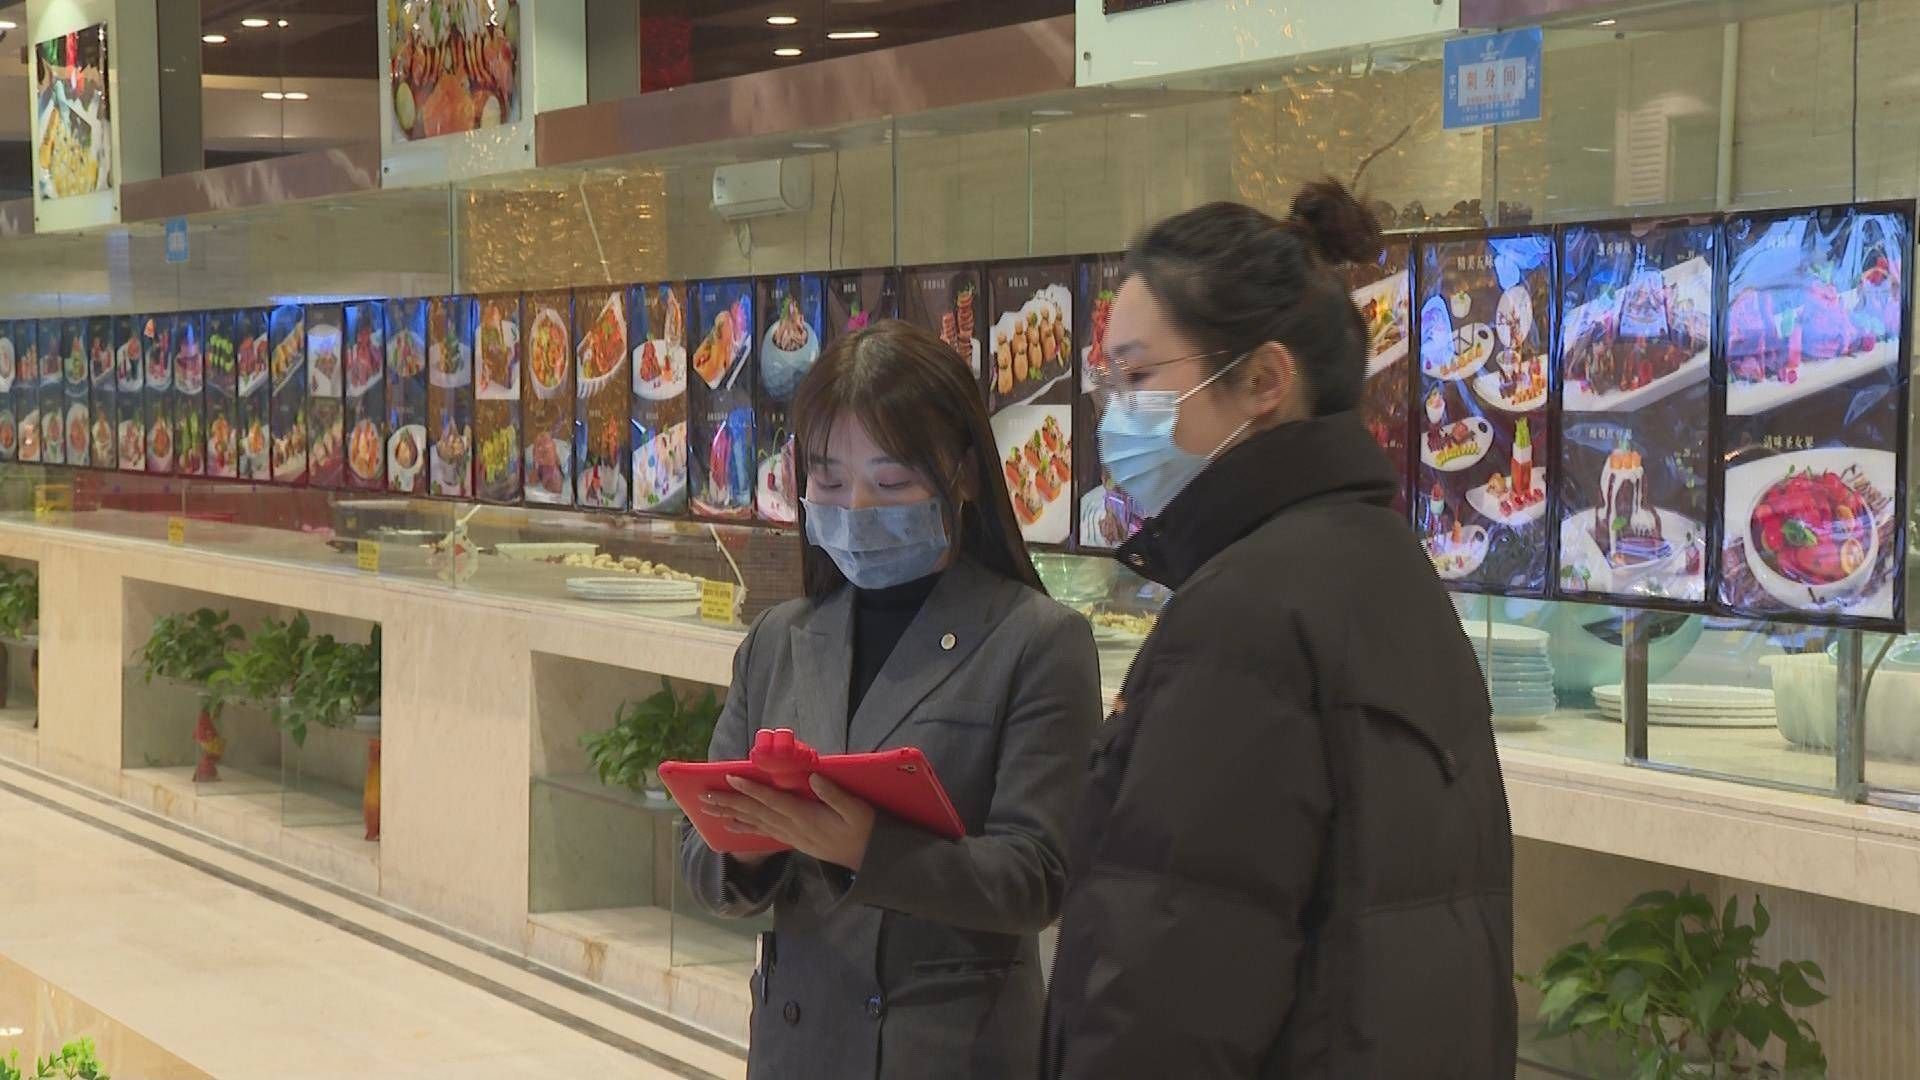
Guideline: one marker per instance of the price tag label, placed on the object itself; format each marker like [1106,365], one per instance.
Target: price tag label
[717,601]
[176,531]
[367,556]
[50,499]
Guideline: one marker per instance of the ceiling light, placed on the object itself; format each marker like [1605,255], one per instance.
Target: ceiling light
[282,24]
[812,146]
[1136,116]
[273,95]
[853,35]
[787,52]
[296,95]
[781,20]
[255,24]
[214,39]
[1052,113]
[9,24]
[1606,22]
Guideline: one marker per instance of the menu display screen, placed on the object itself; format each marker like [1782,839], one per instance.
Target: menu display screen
[859,299]
[496,406]
[101,377]
[156,341]
[363,331]
[251,349]
[223,442]
[1031,391]
[1107,516]
[53,398]
[792,315]
[1636,336]
[1383,291]
[720,401]
[1813,518]
[1485,328]
[25,394]
[78,416]
[450,323]
[659,436]
[547,404]
[287,369]
[604,414]
[945,301]
[326,403]
[189,395]
[9,369]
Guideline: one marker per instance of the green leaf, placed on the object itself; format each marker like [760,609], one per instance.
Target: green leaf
[1561,996]
[1627,984]
[1751,1023]
[1761,920]
[1660,898]
[1706,998]
[1808,967]
[1795,988]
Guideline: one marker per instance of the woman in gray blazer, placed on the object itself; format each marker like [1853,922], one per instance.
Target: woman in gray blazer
[896,953]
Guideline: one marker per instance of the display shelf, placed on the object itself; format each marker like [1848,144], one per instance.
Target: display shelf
[630,951]
[255,821]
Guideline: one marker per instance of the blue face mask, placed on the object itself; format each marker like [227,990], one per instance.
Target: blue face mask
[878,547]
[1137,447]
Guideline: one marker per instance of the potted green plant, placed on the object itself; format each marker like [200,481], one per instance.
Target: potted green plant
[264,671]
[334,685]
[1677,989]
[76,1060]
[662,727]
[189,646]
[19,614]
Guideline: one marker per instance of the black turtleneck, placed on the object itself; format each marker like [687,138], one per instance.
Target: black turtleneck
[880,620]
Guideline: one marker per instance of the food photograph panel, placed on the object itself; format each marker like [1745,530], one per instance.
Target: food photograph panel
[792,315]
[53,393]
[496,409]
[253,350]
[364,331]
[547,402]
[720,402]
[1636,333]
[1107,516]
[326,405]
[407,396]
[857,299]
[1383,292]
[23,397]
[1817,303]
[1812,511]
[946,301]
[1485,328]
[287,373]
[104,393]
[1031,391]
[156,342]
[603,389]
[9,371]
[658,336]
[130,374]
[453,66]
[222,407]
[450,327]
[189,395]
[73,104]
[77,419]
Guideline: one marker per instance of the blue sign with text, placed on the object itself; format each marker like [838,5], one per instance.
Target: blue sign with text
[1493,79]
[177,240]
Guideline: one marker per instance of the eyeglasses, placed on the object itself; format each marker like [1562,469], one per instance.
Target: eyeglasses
[1110,382]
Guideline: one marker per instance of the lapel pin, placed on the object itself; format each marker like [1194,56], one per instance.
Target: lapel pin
[947,643]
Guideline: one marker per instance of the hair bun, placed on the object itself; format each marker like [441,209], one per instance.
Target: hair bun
[1340,229]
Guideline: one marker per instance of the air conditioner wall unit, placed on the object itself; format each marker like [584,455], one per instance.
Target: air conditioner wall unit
[762,188]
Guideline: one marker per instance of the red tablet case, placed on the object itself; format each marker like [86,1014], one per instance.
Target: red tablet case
[899,783]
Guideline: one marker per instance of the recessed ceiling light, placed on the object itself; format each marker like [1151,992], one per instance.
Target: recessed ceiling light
[214,39]
[282,24]
[1606,22]
[255,24]
[787,53]
[1136,116]
[296,95]
[9,24]
[273,95]
[781,20]
[1052,113]
[812,146]
[853,35]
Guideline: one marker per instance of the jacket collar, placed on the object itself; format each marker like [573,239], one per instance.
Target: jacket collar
[1331,457]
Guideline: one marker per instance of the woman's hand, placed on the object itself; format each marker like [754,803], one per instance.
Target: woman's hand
[834,830]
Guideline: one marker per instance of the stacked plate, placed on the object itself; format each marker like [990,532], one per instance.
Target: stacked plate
[1519,671]
[1679,705]
[660,596]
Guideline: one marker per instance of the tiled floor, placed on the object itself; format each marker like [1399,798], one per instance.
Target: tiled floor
[240,970]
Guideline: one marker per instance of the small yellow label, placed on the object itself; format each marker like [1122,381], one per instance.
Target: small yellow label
[716,601]
[367,556]
[176,531]
[50,499]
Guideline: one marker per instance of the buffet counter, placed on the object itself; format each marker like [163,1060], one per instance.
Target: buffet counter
[492,824]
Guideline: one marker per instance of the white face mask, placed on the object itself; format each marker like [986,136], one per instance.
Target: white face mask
[1137,447]
[878,547]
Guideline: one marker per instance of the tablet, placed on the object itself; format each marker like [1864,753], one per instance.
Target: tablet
[899,783]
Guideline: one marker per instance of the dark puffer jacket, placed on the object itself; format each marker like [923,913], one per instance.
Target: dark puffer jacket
[1294,858]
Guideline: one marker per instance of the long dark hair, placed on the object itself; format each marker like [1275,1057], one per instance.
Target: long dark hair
[1236,278]
[924,408]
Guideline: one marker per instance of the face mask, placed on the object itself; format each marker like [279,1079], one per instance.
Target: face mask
[878,547]
[1137,447]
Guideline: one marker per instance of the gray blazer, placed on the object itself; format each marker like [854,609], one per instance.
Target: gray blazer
[926,963]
